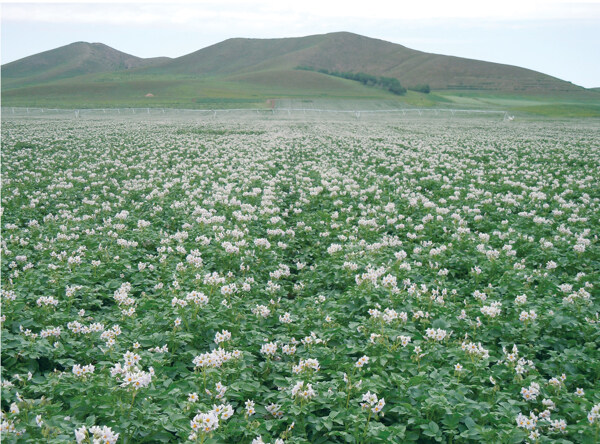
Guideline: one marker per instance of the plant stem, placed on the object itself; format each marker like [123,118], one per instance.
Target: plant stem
[367,424]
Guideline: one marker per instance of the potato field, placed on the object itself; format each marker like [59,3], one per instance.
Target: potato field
[300,281]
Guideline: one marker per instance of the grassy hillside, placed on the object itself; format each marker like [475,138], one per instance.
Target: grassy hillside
[237,56]
[237,91]
[68,61]
[343,51]
[247,72]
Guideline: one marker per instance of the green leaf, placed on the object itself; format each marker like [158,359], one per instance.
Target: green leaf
[430,429]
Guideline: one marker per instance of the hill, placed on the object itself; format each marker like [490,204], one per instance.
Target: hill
[243,72]
[68,61]
[344,51]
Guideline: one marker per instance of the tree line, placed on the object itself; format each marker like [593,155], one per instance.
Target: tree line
[390,84]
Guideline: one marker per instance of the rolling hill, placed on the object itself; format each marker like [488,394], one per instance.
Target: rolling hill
[344,51]
[68,61]
[249,71]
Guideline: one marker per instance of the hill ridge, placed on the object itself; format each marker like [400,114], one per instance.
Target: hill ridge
[345,51]
[252,69]
[72,60]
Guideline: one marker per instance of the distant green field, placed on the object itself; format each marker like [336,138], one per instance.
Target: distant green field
[178,91]
[256,89]
[563,110]
[548,105]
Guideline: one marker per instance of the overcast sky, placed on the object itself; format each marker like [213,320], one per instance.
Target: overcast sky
[556,37]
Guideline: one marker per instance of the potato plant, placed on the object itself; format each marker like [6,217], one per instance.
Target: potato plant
[290,282]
